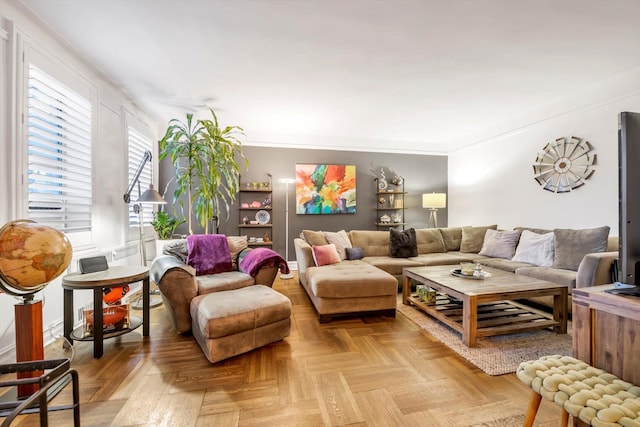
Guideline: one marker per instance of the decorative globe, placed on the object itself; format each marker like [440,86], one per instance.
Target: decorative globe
[31,256]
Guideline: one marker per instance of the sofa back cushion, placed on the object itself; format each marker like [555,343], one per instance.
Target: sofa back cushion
[314,238]
[236,245]
[473,238]
[572,245]
[533,230]
[429,241]
[373,243]
[451,237]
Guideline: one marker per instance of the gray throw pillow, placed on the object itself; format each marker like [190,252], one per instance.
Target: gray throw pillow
[500,244]
[572,245]
[354,253]
[402,243]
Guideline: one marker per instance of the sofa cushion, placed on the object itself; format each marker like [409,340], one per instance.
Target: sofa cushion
[354,253]
[572,245]
[429,241]
[236,245]
[350,279]
[550,274]
[500,244]
[473,237]
[503,264]
[402,243]
[536,249]
[325,254]
[451,236]
[223,282]
[228,313]
[314,238]
[341,240]
[373,243]
[391,265]
[445,258]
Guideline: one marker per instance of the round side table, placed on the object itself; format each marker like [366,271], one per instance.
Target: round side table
[113,276]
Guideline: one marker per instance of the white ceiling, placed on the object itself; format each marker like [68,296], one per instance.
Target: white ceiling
[418,76]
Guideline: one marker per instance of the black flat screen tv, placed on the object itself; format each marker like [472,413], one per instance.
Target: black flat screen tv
[629,198]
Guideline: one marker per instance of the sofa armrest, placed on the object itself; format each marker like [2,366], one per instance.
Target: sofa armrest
[177,284]
[304,258]
[595,269]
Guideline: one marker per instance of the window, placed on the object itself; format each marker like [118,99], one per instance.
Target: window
[138,144]
[59,154]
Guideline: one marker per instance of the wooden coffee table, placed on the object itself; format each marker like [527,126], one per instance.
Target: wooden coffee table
[479,308]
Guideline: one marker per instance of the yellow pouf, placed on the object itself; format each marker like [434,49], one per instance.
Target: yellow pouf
[593,395]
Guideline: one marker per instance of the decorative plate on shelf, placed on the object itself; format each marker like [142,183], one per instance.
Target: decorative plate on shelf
[263,217]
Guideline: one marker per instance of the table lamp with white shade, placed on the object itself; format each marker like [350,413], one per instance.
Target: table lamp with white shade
[434,201]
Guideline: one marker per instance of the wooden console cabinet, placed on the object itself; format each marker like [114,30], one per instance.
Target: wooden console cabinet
[606,331]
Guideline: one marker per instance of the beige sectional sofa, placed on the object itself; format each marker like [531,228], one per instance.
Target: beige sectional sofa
[347,286]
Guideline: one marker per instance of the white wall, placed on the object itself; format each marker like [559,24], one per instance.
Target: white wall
[111,233]
[492,181]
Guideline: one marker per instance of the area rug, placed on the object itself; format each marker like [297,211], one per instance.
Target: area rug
[497,355]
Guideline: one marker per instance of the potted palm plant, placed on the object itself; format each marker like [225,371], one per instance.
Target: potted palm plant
[205,157]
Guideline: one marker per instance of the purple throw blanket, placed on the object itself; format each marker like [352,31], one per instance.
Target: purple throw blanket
[257,258]
[208,253]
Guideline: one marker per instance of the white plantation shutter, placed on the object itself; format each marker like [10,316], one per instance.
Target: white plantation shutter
[138,144]
[59,154]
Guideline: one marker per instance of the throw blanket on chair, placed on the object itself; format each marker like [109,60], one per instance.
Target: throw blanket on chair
[257,258]
[208,253]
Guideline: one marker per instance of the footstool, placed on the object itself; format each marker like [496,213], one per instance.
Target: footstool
[592,395]
[233,322]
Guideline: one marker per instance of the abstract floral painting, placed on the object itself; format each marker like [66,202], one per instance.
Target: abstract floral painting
[325,189]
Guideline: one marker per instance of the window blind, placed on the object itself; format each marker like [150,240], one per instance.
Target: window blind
[59,154]
[138,144]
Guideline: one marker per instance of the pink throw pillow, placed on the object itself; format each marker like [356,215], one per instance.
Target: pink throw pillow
[325,254]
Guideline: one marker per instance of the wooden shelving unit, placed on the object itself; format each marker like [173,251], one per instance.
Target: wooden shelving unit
[390,202]
[252,193]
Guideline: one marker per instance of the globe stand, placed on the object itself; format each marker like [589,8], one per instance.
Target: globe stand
[29,340]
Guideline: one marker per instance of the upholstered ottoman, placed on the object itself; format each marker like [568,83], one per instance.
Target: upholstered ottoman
[351,287]
[233,322]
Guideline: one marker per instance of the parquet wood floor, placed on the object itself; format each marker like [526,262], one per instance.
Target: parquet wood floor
[359,371]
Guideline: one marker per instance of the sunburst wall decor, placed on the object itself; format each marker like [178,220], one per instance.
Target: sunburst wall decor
[564,165]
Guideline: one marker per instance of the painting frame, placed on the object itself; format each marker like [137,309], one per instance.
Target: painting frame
[325,189]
